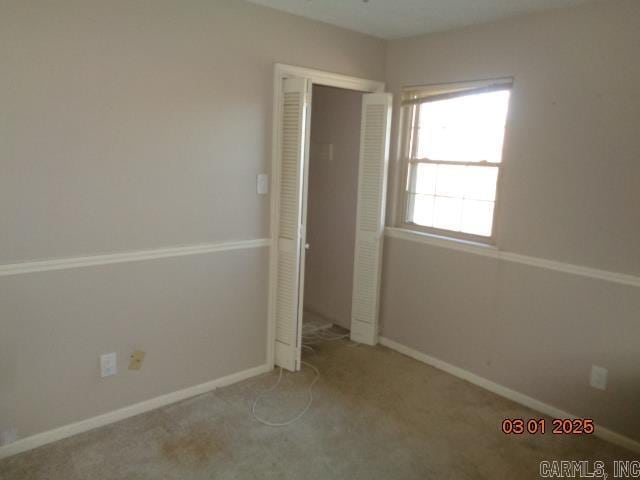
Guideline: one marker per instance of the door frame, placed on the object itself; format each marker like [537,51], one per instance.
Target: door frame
[316,77]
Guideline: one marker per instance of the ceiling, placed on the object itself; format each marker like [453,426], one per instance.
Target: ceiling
[402,18]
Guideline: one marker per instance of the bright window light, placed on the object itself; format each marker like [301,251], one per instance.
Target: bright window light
[463,129]
[455,154]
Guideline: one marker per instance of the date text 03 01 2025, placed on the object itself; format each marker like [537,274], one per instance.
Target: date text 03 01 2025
[559,426]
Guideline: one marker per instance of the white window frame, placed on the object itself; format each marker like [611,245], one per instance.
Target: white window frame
[411,99]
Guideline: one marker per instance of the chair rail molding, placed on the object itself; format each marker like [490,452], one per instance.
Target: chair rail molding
[132,256]
[493,252]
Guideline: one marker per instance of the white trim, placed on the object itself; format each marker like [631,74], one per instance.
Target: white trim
[493,252]
[522,399]
[302,245]
[135,256]
[329,79]
[317,77]
[40,439]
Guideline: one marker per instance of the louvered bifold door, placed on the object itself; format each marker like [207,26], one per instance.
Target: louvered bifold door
[372,187]
[293,118]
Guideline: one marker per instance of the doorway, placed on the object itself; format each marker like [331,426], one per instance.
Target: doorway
[332,200]
[292,154]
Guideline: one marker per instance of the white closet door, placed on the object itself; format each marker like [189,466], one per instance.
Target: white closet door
[293,145]
[372,186]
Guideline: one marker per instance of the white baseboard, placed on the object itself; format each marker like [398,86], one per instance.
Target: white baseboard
[328,318]
[505,392]
[40,439]
[311,325]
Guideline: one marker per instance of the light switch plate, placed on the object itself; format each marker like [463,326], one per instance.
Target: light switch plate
[135,363]
[108,364]
[263,184]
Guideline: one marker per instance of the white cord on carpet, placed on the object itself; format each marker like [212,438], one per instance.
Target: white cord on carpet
[270,389]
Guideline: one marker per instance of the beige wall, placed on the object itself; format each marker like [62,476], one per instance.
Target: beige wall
[332,202]
[124,124]
[197,317]
[570,186]
[570,192]
[137,125]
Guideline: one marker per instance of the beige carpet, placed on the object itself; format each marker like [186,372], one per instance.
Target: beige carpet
[376,415]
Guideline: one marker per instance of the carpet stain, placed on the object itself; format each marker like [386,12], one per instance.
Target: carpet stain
[376,415]
[193,448]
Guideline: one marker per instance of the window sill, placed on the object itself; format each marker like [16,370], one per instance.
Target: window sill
[441,240]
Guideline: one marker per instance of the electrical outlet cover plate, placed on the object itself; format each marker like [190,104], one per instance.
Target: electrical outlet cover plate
[599,377]
[135,363]
[8,436]
[108,364]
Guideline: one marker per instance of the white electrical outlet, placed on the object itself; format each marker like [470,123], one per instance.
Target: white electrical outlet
[599,377]
[263,184]
[8,436]
[108,364]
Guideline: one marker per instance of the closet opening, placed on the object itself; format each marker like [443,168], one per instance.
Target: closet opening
[331,210]
[329,177]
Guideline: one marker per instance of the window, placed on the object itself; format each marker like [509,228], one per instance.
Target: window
[453,145]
